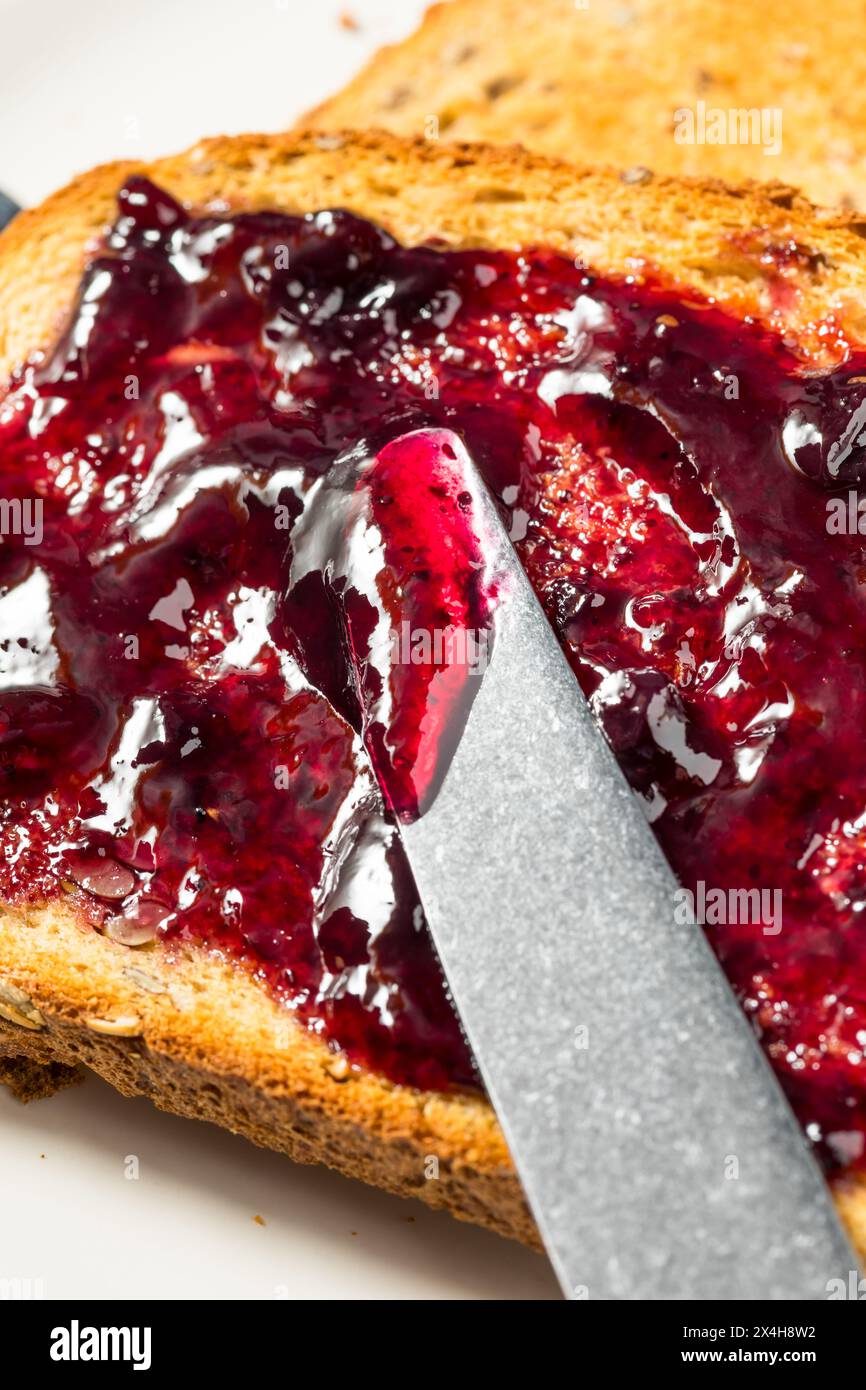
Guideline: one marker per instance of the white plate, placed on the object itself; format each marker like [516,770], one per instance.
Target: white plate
[75,1226]
[110,79]
[95,80]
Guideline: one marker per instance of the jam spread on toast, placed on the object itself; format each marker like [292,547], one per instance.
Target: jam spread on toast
[389,564]
[181,694]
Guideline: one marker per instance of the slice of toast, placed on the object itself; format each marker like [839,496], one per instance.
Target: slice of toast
[191,1030]
[604,79]
[28,1080]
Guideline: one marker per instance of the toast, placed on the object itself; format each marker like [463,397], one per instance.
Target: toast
[188,1028]
[604,81]
[28,1080]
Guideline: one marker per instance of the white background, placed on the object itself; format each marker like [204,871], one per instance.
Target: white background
[85,81]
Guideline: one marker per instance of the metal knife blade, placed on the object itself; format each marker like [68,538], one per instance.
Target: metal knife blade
[655,1146]
[8,210]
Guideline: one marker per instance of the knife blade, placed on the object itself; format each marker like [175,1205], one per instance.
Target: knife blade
[8,210]
[656,1149]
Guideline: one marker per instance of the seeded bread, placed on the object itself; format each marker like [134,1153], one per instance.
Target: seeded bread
[28,1080]
[602,80]
[198,1035]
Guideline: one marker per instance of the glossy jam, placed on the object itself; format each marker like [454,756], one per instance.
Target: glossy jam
[180,711]
[389,562]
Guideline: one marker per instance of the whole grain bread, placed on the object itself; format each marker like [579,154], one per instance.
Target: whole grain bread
[201,1036]
[29,1080]
[603,79]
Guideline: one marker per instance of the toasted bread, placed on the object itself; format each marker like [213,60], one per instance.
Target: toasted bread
[30,1080]
[197,1033]
[604,81]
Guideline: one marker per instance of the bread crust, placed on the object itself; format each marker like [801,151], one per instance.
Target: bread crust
[604,80]
[744,245]
[29,1080]
[203,1039]
[195,1032]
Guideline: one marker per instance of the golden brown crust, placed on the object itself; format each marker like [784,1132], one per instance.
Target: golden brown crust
[203,1039]
[741,244]
[604,80]
[196,1033]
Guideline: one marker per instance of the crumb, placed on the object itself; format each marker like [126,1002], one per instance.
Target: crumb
[41,1155]
[29,1080]
[348,21]
[259,1220]
[410,1220]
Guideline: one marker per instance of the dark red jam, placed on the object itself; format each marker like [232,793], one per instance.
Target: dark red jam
[182,701]
[389,566]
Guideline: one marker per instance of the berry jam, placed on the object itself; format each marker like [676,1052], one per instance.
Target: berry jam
[388,565]
[181,703]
